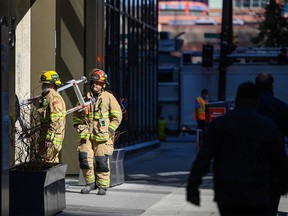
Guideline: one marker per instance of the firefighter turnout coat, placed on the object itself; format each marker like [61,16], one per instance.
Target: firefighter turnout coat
[96,127]
[52,112]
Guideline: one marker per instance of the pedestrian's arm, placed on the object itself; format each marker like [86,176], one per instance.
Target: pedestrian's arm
[197,114]
[196,107]
[279,163]
[199,168]
[285,122]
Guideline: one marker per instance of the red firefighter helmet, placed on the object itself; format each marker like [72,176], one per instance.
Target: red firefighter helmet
[98,75]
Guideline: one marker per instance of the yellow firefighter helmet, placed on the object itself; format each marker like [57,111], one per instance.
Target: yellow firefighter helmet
[51,77]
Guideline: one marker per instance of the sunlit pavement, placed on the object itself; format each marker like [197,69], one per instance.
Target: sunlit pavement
[154,185]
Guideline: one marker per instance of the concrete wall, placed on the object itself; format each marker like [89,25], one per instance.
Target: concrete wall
[35,45]
[23,52]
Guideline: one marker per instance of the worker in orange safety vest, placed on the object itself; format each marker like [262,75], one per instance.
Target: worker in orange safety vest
[199,109]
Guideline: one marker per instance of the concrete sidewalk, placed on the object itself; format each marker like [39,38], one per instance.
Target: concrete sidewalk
[154,185]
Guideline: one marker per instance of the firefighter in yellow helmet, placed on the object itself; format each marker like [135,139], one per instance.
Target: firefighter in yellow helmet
[52,112]
[96,127]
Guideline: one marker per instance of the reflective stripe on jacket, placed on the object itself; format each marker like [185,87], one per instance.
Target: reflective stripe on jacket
[53,112]
[101,117]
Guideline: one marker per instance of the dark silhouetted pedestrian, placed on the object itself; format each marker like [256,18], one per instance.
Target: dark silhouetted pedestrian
[276,110]
[247,150]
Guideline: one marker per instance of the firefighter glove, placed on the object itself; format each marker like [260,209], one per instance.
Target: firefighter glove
[111,132]
[81,128]
[48,144]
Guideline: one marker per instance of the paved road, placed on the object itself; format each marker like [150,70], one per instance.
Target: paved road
[154,185]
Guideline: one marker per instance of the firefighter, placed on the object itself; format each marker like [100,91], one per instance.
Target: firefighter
[52,113]
[199,110]
[96,126]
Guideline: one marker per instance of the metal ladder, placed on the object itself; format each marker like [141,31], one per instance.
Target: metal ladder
[71,83]
[82,105]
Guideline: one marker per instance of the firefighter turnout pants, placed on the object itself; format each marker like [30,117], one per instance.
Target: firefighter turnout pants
[50,155]
[94,161]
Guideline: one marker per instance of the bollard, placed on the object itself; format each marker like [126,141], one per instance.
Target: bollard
[199,138]
[162,124]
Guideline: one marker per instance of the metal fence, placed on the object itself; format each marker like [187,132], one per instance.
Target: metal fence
[131,62]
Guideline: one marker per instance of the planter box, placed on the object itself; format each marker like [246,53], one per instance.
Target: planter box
[37,192]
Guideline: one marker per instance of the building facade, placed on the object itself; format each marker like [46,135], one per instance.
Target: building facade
[74,36]
[197,17]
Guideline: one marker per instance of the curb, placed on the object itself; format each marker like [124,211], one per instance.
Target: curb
[137,149]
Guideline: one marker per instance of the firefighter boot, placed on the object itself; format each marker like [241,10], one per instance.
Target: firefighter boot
[102,191]
[88,188]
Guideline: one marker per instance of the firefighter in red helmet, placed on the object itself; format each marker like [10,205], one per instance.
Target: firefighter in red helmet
[96,127]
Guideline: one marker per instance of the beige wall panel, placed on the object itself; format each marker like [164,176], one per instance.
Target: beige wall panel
[70,64]
[94,35]
[43,27]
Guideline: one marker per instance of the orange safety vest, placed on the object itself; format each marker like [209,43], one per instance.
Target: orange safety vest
[202,104]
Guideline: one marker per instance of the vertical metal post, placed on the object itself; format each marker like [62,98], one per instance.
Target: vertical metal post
[226,41]
[199,139]
[4,117]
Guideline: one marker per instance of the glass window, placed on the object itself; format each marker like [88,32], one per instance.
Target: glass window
[263,3]
[246,3]
[238,3]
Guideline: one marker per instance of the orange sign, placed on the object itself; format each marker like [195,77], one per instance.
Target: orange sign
[213,112]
